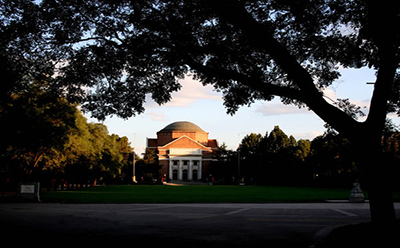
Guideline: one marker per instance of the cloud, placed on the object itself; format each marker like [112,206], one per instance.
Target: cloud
[331,97]
[277,108]
[158,117]
[193,91]
[308,135]
[190,92]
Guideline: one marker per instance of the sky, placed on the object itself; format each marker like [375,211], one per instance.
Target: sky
[204,107]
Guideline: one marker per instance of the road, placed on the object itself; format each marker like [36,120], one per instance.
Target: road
[178,225]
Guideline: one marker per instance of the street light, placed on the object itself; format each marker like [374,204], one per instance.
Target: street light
[238,153]
[133,168]
[133,161]
[238,161]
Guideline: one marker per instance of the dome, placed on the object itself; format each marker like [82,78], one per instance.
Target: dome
[182,126]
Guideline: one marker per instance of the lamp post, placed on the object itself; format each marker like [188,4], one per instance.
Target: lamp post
[133,160]
[133,168]
[238,161]
[238,153]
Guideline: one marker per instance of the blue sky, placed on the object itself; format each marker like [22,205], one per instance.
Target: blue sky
[204,107]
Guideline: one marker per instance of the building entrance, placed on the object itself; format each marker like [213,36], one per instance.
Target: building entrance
[175,175]
[185,169]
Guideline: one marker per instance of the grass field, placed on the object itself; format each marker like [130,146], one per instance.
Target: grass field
[193,194]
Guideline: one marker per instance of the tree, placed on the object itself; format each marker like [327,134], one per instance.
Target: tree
[333,160]
[249,155]
[125,151]
[148,167]
[249,145]
[87,153]
[391,139]
[225,168]
[281,158]
[93,154]
[277,140]
[37,124]
[123,50]
[303,149]
[274,158]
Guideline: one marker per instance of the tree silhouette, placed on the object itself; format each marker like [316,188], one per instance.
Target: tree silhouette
[111,54]
[36,124]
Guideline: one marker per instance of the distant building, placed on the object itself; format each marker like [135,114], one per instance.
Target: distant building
[184,151]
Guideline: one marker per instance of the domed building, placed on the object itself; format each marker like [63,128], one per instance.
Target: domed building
[184,151]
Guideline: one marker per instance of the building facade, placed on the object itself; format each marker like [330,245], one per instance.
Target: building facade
[184,151]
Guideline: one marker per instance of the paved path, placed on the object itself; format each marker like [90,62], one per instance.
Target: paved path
[179,225]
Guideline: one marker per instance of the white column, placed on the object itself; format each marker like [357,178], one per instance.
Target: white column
[190,172]
[180,170]
[170,168]
[199,173]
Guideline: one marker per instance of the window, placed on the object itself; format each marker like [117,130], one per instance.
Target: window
[195,162]
[195,175]
[185,162]
[175,175]
[175,162]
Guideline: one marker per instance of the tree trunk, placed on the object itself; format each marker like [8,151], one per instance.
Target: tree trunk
[381,203]
[379,185]
[378,176]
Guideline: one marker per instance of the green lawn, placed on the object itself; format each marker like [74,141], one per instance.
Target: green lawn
[193,194]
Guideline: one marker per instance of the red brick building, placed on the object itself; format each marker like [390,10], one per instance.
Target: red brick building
[184,151]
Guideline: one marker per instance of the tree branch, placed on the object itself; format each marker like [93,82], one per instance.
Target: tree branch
[260,36]
[267,89]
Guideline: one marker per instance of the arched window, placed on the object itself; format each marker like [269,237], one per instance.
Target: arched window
[185,175]
[195,177]
[175,174]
